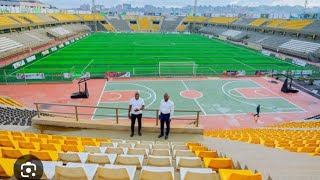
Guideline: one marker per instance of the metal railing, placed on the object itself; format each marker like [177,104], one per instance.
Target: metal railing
[75,112]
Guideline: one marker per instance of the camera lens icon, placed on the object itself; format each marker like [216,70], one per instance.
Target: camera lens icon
[28,167]
[28,170]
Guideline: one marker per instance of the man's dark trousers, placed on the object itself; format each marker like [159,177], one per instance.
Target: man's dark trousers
[165,118]
[133,121]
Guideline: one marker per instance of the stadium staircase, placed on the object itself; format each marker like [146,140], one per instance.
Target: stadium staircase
[118,23]
[170,23]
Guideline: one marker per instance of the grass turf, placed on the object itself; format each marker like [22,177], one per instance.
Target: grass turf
[140,54]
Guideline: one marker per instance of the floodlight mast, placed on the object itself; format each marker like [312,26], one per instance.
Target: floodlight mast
[194,14]
[93,12]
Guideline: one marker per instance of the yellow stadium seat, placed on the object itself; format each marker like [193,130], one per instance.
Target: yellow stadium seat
[2,137]
[87,139]
[37,140]
[27,145]
[18,138]
[70,148]
[98,159]
[13,133]
[231,174]
[103,140]
[13,153]
[89,143]
[117,151]
[48,147]
[30,135]
[218,163]
[192,144]
[72,138]
[2,132]
[54,141]
[44,136]
[198,148]
[70,142]
[58,137]
[207,154]
[306,149]
[8,143]
[6,167]
[45,155]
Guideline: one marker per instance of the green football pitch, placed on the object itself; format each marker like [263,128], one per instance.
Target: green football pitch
[152,55]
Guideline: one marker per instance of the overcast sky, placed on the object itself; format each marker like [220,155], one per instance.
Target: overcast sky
[180,3]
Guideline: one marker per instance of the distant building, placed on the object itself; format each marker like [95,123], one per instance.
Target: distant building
[126,6]
[23,6]
[85,7]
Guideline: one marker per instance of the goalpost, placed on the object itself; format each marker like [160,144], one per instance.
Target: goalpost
[177,68]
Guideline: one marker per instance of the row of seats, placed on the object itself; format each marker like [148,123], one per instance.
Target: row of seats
[65,17]
[259,22]
[91,17]
[197,19]
[9,101]
[7,44]
[181,27]
[56,170]
[300,46]
[311,124]
[301,141]
[16,116]
[86,151]
[61,31]
[223,20]
[295,24]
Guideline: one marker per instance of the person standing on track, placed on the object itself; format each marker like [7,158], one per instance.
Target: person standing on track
[257,114]
[166,112]
[136,106]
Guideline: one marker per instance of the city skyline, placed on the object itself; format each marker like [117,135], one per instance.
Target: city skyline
[181,3]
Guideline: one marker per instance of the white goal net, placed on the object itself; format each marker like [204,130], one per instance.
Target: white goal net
[177,69]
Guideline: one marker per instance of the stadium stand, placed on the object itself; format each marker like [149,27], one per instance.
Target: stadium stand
[300,46]
[7,44]
[16,116]
[170,23]
[63,160]
[45,18]
[5,21]
[118,23]
[312,28]
[109,27]
[144,23]
[196,19]
[243,22]
[133,22]
[91,17]
[216,31]
[231,33]
[302,141]
[182,27]
[275,23]
[10,102]
[65,17]
[296,24]
[222,20]
[273,42]
[33,18]
[306,124]
[259,22]
[17,18]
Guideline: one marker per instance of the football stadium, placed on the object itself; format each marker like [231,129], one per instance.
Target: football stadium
[172,90]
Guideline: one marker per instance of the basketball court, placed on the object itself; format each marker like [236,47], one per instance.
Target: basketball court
[211,97]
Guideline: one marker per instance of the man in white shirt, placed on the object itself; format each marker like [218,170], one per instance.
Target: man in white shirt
[136,106]
[166,112]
